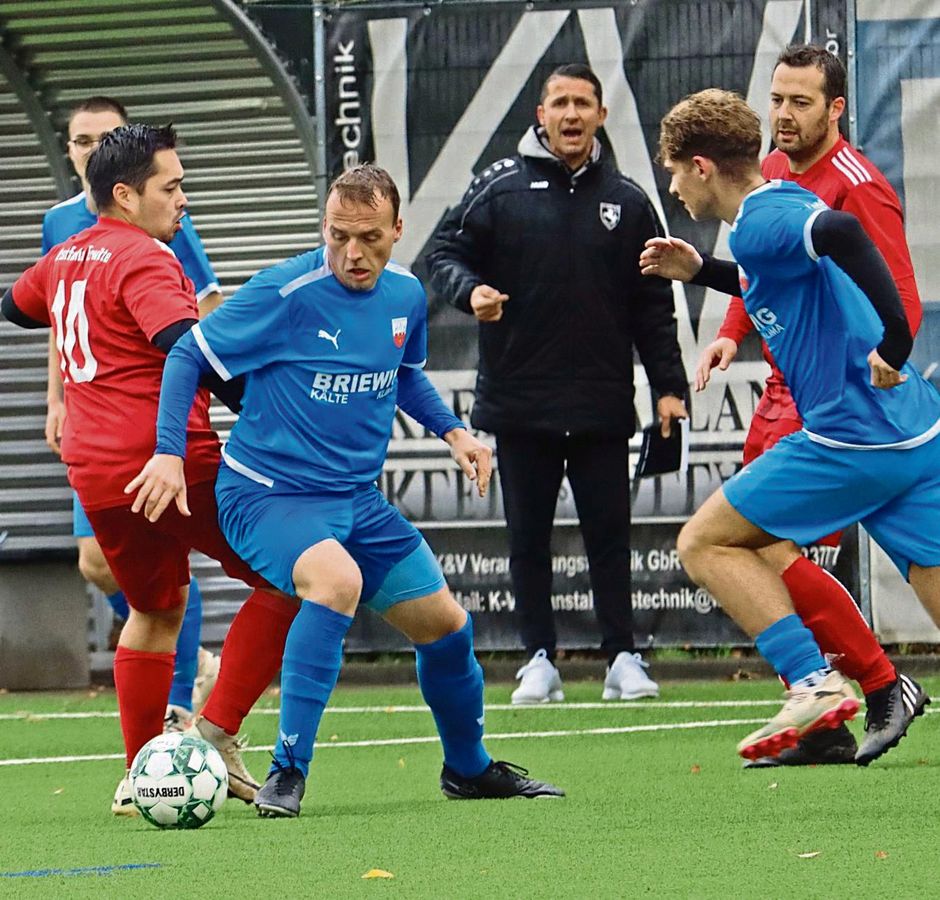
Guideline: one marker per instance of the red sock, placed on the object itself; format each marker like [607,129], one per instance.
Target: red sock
[251,656]
[142,680]
[828,610]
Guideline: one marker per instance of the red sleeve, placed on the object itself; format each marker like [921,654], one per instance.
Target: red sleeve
[30,293]
[156,292]
[737,324]
[877,207]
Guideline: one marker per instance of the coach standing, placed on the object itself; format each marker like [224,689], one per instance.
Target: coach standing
[542,250]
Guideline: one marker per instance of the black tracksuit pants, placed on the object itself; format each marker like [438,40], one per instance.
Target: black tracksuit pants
[531,467]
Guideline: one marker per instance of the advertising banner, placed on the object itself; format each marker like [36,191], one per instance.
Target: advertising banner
[435,94]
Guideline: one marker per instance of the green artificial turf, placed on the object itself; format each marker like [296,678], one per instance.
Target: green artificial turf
[663,812]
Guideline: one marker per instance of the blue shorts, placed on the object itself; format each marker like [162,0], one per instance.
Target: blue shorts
[270,529]
[802,490]
[81,527]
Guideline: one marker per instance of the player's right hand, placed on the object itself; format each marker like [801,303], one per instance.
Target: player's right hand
[55,419]
[719,353]
[158,484]
[487,303]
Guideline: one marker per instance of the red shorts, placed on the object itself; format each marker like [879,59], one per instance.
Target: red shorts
[150,560]
[761,436]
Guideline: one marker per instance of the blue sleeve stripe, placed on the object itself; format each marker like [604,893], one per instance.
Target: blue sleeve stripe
[209,354]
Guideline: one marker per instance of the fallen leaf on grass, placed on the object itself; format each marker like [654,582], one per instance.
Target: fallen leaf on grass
[401,763]
[378,873]
[696,769]
[810,855]
[334,737]
[881,854]
[773,786]
[742,675]
[58,790]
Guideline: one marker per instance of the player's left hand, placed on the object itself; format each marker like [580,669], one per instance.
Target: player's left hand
[670,408]
[160,482]
[473,456]
[883,375]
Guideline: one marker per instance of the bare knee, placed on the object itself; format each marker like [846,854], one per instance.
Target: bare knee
[692,547]
[94,567]
[327,574]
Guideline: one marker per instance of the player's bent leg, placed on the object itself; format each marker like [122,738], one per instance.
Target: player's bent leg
[717,547]
[329,583]
[94,567]
[451,682]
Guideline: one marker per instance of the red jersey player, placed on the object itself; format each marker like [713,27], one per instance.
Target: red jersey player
[117,299]
[806,101]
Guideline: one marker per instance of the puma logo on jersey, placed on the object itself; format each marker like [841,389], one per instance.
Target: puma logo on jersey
[332,338]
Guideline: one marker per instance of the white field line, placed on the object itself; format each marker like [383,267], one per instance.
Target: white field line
[433,739]
[421,708]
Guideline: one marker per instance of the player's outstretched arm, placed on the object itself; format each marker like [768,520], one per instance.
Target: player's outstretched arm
[720,352]
[419,398]
[158,484]
[473,456]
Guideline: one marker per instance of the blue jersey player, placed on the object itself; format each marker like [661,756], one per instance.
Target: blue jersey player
[330,342]
[88,121]
[824,301]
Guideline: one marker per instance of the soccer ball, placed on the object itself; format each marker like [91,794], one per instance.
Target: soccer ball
[178,781]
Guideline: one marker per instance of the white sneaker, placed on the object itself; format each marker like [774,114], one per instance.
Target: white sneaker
[123,802]
[540,682]
[207,673]
[626,679]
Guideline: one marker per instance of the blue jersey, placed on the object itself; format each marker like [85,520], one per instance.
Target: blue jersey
[322,370]
[73,215]
[820,327]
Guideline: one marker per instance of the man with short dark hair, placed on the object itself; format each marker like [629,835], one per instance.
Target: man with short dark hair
[807,100]
[825,303]
[196,668]
[330,342]
[117,299]
[541,250]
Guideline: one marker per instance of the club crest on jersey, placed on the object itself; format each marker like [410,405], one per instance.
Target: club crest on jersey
[610,215]
[399,329]
[742,280]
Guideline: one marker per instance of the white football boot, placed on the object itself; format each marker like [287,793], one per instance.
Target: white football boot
[123,802]
[241,783]
[541,682]
[626,679]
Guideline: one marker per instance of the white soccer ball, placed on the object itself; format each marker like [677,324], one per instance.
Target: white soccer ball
[178,781]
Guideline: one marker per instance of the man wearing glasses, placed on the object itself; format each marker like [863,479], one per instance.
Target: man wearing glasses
[88,122]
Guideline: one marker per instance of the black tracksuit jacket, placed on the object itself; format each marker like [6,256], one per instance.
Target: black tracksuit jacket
[565,247]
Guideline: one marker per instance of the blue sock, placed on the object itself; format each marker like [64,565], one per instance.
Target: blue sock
[451,683]
[119,604]
[313,655]
[187,651]
[789,646]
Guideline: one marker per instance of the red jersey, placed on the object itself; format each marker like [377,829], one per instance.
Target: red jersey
[106,292]
[845,180]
